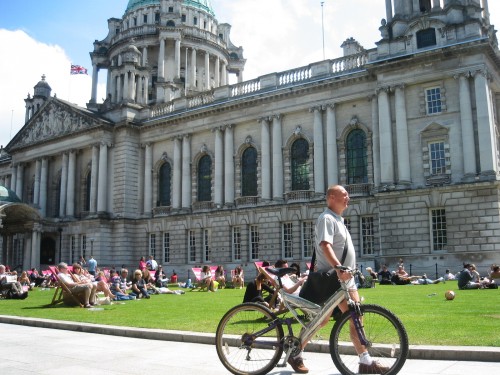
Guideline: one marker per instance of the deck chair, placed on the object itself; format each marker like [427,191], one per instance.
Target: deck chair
[281,308]
[198,283]
[62,290]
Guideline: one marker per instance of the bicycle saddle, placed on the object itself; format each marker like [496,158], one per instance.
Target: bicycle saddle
[280,272]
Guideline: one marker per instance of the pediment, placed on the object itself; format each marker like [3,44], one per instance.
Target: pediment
[55,119]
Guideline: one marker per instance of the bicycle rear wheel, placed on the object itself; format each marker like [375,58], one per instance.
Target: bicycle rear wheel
[246,340]
[388,341]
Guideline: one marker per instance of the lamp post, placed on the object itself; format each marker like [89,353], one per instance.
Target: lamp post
[60,243]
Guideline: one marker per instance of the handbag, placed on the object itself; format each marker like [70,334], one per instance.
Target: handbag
[321,285]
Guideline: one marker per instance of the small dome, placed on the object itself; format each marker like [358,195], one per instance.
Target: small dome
[42,88]
[7,195]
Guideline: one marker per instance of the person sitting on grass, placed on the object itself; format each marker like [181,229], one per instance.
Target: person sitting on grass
[12,289]
[238,278]
[467,279]
[220,276]
[139,286]
[149,281]
[161,279]
[100,286]
[118,285]
[206,279]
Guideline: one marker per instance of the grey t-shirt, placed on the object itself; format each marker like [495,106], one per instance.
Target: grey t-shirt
[330,228]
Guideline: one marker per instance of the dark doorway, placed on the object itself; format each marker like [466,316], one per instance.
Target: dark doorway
[48,251]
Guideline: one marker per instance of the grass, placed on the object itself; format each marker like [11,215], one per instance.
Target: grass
[471,319]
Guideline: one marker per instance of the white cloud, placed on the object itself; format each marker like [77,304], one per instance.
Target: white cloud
[23,68]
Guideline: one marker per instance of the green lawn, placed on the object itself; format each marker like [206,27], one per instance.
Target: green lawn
[472,318]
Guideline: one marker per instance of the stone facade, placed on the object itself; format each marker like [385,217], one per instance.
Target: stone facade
[409,127]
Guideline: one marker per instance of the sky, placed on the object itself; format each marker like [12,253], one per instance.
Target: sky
[45,37]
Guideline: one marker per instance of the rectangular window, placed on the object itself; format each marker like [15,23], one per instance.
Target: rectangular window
[307,239]
[254,241]
[152,244]
[433,100]
[192,246]
[74,249]
[84,246]
[287,241]
[236,243]
[170,9]
[195,21]
[145,18]
[438,228]
[157,17]
[183,18]
[347,223]
[207,252]
[437,158]
[166,247]
[367,236]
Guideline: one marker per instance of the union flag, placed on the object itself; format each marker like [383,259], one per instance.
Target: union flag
[78,69]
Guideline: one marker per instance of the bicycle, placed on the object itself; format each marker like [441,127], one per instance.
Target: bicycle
[250,337]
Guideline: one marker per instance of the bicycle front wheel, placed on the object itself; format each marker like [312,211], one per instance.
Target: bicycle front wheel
[249,339]
[386,336]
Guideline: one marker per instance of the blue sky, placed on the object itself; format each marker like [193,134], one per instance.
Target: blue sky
[46,36]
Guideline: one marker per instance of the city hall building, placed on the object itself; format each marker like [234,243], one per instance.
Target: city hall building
[181,164]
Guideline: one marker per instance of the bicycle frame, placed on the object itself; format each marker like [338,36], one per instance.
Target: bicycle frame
[319,313]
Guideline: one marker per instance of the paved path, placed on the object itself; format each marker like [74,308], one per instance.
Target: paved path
[40,351]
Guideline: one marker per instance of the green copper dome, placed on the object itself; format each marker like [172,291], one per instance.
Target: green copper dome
[201,4]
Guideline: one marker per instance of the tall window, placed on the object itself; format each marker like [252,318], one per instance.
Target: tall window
[192,246]
[166,247]
[84,246]
[433,100]
[287,241]
[307,239]
[426,38]
[207,252]
[437,158]
[74,249]
[356,158]
[425,5]
[347,223]
[88,184]
[236,243]
[205,179]
[164,185]
[249,172]
[300,166]
[438,228]
[367,236]
[254,241]
[152,244]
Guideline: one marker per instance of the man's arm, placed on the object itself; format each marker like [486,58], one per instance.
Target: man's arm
[333,260]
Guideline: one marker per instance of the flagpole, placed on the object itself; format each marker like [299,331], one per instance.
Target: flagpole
[323,29]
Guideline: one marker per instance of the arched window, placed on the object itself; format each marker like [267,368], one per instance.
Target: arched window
[249,172]
[300,166]
[164,185]
[356,157]
[88,183]
[170,23]
[205,179]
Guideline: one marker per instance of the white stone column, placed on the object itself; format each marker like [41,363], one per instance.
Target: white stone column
[277,159]
[102,189]
[223,75]
[207,71]
[375,141]
[319,153]
[64,185]
[219,167]
[70,205]
[467,126]
[138,89]
[436,4]
[176,185]
[186,172]
[13,179]
[486,11]
[36,187]
[265,158]
[229,165]
[95,71]
[193,68]
[177,58]
[385,128]
[19,181]
[144,56]
[403,148]
[485,125]
[93,178]
[217,71]
[148,178]
[388,10]
[35,248]
[44,178]
[161,61]
[126,87]
[119,88]
[332,165]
